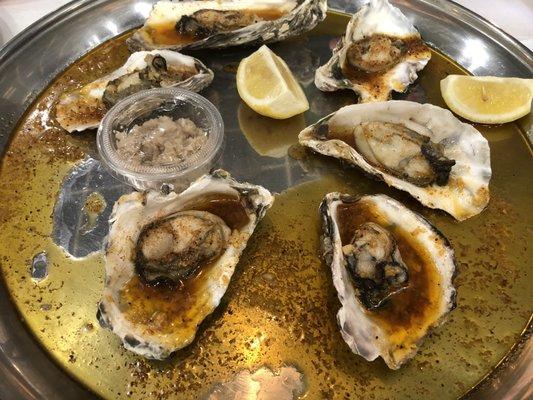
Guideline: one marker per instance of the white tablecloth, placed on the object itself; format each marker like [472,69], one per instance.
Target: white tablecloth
[513,16]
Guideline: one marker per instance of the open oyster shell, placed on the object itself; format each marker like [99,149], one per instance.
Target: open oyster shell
[394,329]
[419,148]
[170,258]
[214,24]
[84,108]
[381,52]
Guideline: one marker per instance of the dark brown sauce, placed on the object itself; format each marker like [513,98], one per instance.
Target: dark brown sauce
[162,34]
[408,308]
[270,15]
[230,209]
[163,307]
[346,135]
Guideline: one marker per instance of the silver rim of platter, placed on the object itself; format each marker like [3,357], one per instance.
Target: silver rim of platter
[25,70]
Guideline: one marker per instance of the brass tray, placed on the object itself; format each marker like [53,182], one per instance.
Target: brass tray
[280,308]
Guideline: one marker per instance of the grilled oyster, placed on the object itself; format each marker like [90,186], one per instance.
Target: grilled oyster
[170,258]
[419,148]
[393,273]
[375,264]
[381,52]
[84,108]
[223,23]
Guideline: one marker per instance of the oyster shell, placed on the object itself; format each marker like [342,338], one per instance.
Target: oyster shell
[224,23]
[419,148]
[84,108]
[381,52]
[379,249]
[170,258]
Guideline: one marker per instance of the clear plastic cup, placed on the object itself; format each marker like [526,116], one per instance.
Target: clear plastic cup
[142,106]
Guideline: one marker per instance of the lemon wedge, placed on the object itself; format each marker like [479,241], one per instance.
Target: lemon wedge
[487,99]
[267,86]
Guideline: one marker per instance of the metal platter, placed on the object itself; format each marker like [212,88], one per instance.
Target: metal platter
[33,366]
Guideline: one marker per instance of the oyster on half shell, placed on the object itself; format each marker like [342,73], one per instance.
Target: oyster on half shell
[201,24]
[419,148]
[381,52]
[84,108]
[393,273]
[170,258]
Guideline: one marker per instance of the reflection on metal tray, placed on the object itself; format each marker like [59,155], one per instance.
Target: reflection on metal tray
[28,369]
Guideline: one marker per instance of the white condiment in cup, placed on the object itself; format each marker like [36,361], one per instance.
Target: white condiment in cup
[150,104]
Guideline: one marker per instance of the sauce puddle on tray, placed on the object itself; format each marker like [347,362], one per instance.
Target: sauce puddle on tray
[280,309]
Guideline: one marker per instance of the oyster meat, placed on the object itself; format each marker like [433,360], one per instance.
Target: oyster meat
[84,108]
[170,258]
[419,148]
[393,273]
[223,23]
[381,52]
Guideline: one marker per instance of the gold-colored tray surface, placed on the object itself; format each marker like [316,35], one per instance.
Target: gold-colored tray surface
[280,308]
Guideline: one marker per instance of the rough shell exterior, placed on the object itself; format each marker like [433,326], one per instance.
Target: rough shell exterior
[84,108]
[361,333]
[134,211]
[467,191]
[303,17]
[378,17]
